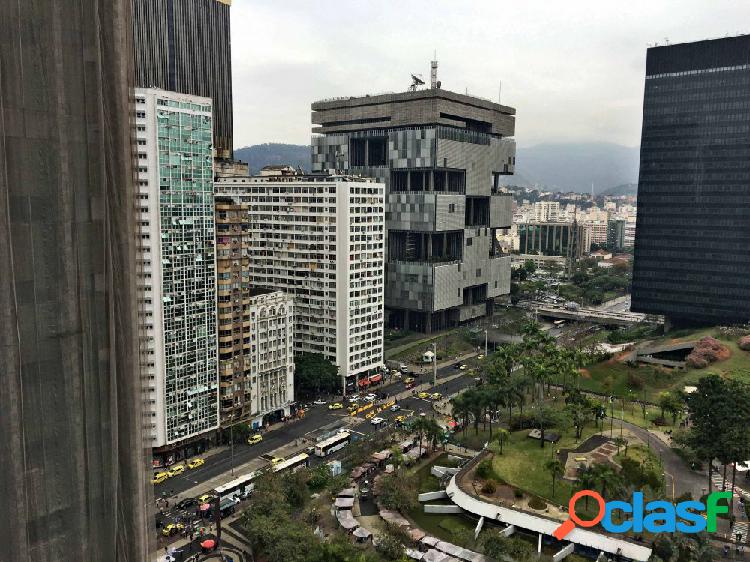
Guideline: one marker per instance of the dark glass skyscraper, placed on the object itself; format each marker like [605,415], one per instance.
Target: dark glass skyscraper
[73,469]
[183,46]
[692,244]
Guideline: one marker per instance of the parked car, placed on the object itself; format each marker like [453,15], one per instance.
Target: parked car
[395,408]
[159,477]
[371,397]
[195,463]
[408,380]
[187,503]
[377,420]
[172,529]
[436,396]
[206,498]
[176,469]
[403,368]
[423,395]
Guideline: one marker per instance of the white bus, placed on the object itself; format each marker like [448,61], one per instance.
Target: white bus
[292,464]
[239,488]
[332,444]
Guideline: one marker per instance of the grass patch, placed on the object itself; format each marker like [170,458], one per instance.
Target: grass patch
[615,377]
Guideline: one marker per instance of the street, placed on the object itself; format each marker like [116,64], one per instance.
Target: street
[316,417]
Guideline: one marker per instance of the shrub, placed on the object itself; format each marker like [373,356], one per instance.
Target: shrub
[518,494]
[525,421]
[706,351]
[536,503]
[489,487]
[484,469]
[744,343]
[635,381]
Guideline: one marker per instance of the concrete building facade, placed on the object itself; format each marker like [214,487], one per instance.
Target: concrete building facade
[546,211]
[693,222]
[73,474]
[320,239]
[178,271]
[564,239]
[442,156]
[255,327]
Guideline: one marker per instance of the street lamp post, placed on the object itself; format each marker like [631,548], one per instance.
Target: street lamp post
[434,364]
[485,343]
[665,483]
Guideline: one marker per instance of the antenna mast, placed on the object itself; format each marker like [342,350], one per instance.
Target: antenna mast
[433,71]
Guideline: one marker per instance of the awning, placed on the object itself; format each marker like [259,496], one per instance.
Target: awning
[362,533]
[344,503]
[347,520]
[208,543]
[376,378]
[364,382]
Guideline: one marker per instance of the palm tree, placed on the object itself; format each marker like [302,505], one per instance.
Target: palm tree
[556,469]
[461,411]
[421,426]
[501,437]
[621,442]
[586,481]
[608,479]
[544,417]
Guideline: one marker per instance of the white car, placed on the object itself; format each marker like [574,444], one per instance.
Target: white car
[371,397]
[376,421]
[319,402]
[354,399]
[395,408]
[462,367]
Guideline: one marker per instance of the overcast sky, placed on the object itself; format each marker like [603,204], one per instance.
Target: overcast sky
[572,69]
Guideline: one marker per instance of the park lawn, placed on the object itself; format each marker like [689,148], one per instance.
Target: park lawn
[615,377]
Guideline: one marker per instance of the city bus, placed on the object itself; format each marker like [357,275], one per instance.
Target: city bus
[239,488]
[332,444]
[292,464]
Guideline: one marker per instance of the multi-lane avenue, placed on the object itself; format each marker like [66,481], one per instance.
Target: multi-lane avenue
[316,417]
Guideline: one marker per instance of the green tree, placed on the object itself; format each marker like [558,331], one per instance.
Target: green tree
[314,374]
[502,437]
[545,417]
[556,470]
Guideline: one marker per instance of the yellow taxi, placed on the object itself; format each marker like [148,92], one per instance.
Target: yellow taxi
[172,529]
[159,477]
[276,460]
[400,419]
[370,414]
[335,406]
[176,469]
[408,380]
[436,396]
[424,394]
[195,463]
[254,439]
[206,498]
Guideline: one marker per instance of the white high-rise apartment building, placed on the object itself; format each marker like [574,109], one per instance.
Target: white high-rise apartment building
[177,285]
[546,211]
[321,239]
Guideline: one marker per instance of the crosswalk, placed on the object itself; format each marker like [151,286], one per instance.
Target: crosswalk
[740,527]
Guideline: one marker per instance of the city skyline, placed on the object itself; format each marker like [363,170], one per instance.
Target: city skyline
[602,49]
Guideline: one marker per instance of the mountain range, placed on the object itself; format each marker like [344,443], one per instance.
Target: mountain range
[552,166]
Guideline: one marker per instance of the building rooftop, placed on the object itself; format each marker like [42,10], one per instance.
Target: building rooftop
[296,178]
[426,107]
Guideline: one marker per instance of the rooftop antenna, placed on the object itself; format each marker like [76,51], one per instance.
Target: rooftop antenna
[433,72]
[416,80]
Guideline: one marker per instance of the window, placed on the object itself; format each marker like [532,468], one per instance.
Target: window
[469,241]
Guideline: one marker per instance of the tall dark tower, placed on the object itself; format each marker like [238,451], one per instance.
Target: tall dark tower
[183,46]
[73,469]
[692,241]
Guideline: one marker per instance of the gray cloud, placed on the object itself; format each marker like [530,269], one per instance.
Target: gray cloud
[573,70]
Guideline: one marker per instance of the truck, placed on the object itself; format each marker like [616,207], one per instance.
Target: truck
[570,305]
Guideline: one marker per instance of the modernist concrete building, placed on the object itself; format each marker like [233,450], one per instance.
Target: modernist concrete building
[691,245]
[73,462]
[178,270]
[183,46]
[564,239]
[256,363]
[320,239]
[615,234]
[441,156]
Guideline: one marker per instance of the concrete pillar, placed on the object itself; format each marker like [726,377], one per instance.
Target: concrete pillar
[367,152]
[429,245]
[539,545]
